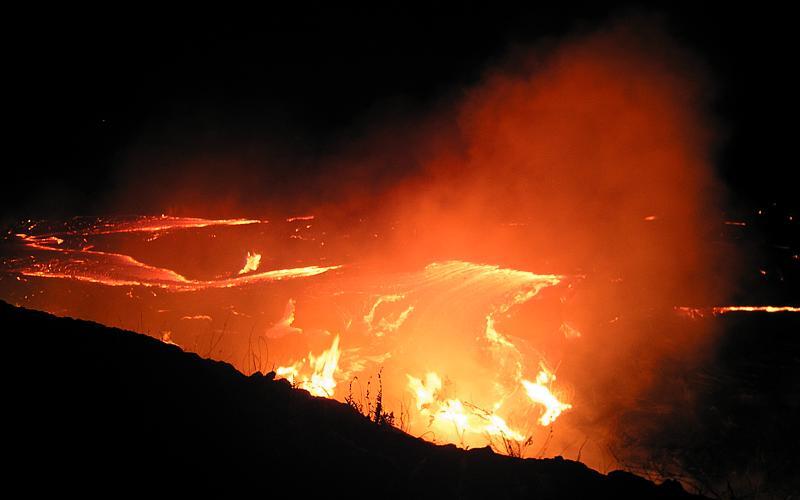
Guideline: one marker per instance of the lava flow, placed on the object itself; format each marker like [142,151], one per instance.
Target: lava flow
[700,312]
[67,254]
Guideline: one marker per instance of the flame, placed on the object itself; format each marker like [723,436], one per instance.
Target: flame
[252,262]
[289,372]
[455,420]
[539,392]
[166,337]
[425,391]
[319,377]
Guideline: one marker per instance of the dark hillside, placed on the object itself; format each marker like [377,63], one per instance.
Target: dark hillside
[99,410]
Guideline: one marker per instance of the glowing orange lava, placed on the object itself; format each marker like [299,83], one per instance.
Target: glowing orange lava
[699,312]
[83,263]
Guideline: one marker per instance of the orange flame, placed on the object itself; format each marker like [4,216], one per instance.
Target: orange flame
[457,421]
[252,262]
[539,392]
[318,378]
[454,420]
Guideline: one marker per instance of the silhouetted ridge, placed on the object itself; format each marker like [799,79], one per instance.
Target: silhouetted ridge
[101,410]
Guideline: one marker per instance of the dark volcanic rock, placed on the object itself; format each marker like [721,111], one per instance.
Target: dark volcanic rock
[99,410]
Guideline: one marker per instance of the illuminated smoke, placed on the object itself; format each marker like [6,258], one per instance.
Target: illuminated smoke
[595,160]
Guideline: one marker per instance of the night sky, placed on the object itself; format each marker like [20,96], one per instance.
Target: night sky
[88,87]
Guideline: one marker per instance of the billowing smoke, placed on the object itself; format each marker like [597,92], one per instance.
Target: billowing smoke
[593,159]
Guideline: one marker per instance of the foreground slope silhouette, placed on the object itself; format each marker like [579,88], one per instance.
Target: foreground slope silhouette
[96,409]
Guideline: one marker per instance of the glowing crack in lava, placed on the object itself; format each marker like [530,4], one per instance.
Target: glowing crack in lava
[700,312]
[65,254]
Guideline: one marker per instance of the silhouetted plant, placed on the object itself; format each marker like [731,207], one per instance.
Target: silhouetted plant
[364,405]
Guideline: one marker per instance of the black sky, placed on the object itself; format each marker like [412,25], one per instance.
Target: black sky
[86,87]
